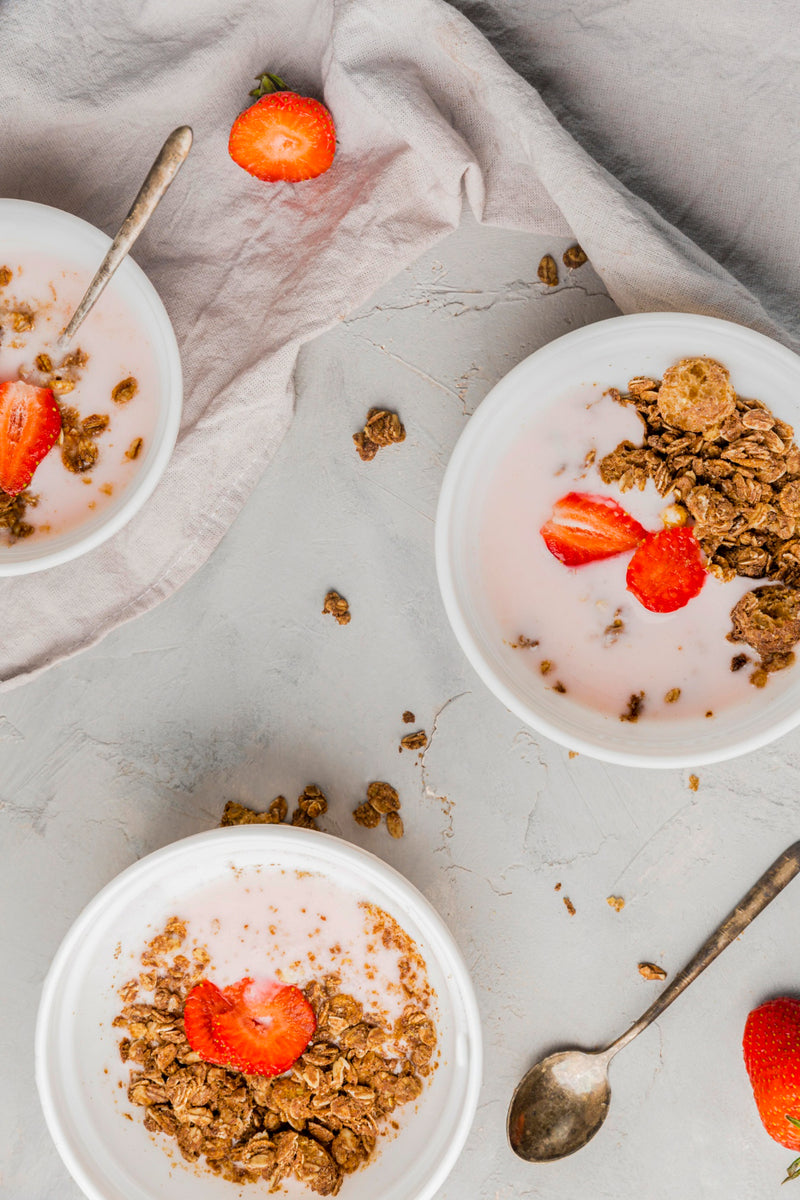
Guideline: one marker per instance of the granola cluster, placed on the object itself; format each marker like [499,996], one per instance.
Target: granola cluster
[338,607]
[79,449]
[311,803]
[382,801]
[318,1122]
[12,514]
[734,470]
[738,479]
[382,428]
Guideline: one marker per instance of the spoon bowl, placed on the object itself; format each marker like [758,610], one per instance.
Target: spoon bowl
[559,1105]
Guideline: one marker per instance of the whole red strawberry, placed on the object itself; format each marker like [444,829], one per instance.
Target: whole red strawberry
[283,136]
[771,1047]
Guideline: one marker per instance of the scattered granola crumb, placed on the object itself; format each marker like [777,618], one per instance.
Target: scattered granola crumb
[738,661]
[758,678]
[768,620]
[22,320]
[548,271]
[382,428]
[79,450]
[383,797]
[414,741]
[545,666]
[649,970]
[709,713]
[573,753]
[43,363]
[394,823]
[557,887]
[558,686]
[616,902]
[238,814]
[12,514]
[366,815]
[338,607]
[311,803]
[694,783]
[125,390]
[634,709]
[135,449]
[569,906]
[574,256]
[107,489]
[523,642]
[6,275]
[408,717]
[614,631]
[673,696]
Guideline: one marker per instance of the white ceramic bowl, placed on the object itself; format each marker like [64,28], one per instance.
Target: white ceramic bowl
[115,1159]
[25,226]
[607,354]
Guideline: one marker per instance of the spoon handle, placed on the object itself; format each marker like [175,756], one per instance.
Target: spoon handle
[762,893]
[170,159]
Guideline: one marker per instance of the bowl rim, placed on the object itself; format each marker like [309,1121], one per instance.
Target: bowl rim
[129,276]
[481,420]
[271,837]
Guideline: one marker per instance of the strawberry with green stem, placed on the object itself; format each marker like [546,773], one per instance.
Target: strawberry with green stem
[283,136]
[771,1045]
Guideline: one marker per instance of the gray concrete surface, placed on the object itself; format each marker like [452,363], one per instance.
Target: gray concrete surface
[239,688]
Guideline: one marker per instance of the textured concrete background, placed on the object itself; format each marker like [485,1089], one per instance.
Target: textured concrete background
[239,688]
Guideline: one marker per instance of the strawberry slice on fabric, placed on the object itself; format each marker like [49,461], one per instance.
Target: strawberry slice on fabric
[266,1030]
[771,1047]
[204,1001]
[30,422]
[584,528]
[667,570]
[283,136]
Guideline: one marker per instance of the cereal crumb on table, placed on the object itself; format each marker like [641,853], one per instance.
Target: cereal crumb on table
[574,256]
[557,887]
[394,823]
[572,753]
[382,428]
[649,970]
[338,607]
[615,902]
[311,803]
[548,271]
[414,741]
[382,801]
[569,906]
[383,797]
[408,717]
[694,783]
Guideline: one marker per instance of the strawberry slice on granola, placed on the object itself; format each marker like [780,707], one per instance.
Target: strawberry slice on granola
[203,1002]
[266,1029]
[584,528]
[667,570]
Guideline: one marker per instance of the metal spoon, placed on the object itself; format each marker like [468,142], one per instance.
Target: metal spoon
[170,159]
[563,1100]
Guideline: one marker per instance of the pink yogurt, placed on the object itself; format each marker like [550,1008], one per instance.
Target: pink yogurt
[117,348]
[568,610]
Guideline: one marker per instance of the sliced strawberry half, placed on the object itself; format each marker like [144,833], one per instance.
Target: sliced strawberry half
[266,1030]
[667,570]
[204,1001]
[584,528]
[30,422]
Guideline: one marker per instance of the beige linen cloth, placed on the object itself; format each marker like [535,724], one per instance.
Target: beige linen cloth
[426,112]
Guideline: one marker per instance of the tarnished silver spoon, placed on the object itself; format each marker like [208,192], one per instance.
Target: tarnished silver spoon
[563,1100]
[169,161]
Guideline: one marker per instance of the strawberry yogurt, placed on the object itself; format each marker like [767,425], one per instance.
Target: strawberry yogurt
[48,292]
[601,644]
